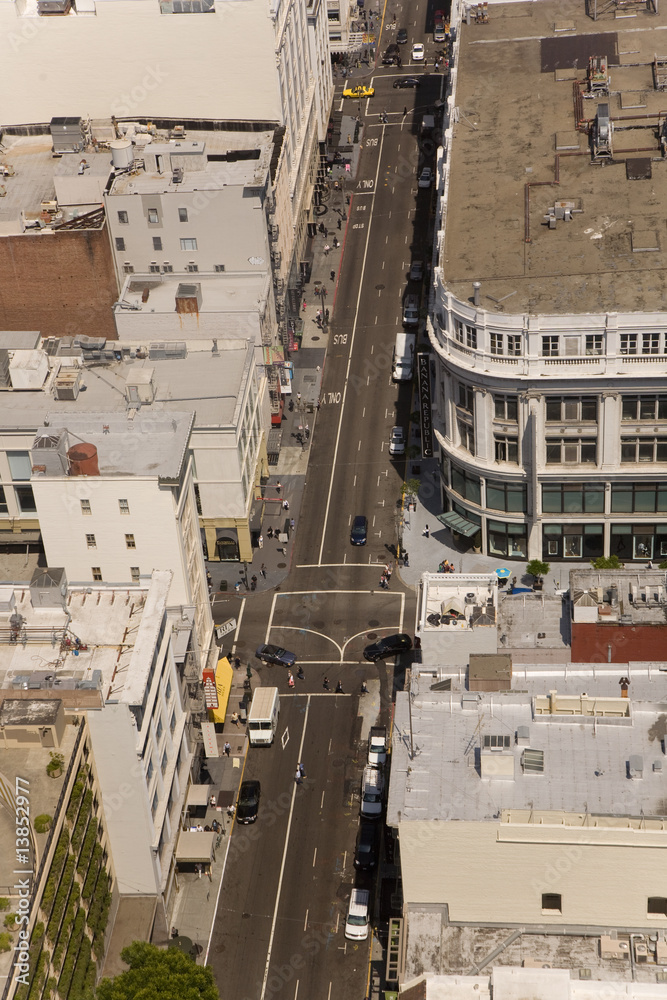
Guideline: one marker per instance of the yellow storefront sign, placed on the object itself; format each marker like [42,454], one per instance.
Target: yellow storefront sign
[223,685]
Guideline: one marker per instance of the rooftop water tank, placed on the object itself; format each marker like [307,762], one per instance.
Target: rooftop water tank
[83,460]
[122,154]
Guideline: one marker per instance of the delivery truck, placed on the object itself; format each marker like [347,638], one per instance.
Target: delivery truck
[263,716]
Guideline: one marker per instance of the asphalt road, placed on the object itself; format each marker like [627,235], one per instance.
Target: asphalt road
[279,926]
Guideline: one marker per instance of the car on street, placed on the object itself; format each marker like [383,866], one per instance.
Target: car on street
[275,654]
[366,850]
[397,441]
[359,91]
[406,82]
[357,922]
[418,52]
[402,36]
[417,270]
[389,646]
[359,530]
[425,178]
[247,804]
[391,55]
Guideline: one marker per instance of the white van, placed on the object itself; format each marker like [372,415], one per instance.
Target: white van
[403,364]
[372,786]
[411,310]
[263,716]
[356,922]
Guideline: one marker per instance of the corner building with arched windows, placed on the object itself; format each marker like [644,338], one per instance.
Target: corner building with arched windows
[548,310]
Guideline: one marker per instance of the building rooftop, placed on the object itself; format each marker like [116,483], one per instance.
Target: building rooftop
[478,756]
[515,134]
[233,292]
[15,712]
[637,597]
[457,615]
[512,983]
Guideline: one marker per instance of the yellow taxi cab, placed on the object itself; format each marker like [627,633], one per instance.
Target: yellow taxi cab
[359,92]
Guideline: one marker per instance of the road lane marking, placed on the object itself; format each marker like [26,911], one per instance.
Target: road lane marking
[344,860]
[322,800]
[314,859]
[305,923]
[296,990]
[282,863]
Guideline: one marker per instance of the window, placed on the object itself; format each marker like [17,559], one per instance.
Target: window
[466,398]
[638,541]
[153,216]
[163,762]
[123,218]
[96,573]
[192,267]
[650,343]
[157,243]
[572,541]
[85,507]
[172,723]
[644,408]
[25,499]
[90,541]
[628,343]
[510,497]
[471,337]
[508,540]
[506,449]
[656,906]
[120,243]
[467,437]
[505,408]
[154,267]
[3,501]
[551,902]
[124,506]
[188,244]
[514,344]
[130,542]
[644,449]
[159,728]
[571,451]
[128,268]
[640,498]
[550,347]
[167,691]
[497,343]
[168,268]
[182,215]
[562,408]
[218,267]
[458,331]
[573,498]
[594,343]
[20,465]
[465,484]
[135,574]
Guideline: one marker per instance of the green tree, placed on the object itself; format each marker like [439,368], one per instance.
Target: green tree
[607,562]
[155,974]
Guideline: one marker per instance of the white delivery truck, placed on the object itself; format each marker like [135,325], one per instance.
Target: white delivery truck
[404,357]
[263,716]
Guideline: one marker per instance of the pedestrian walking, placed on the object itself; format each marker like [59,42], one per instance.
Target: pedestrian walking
[300,674]
[292,523]
[327,248]
[237,663]
[279,486]
[319,403]
[325,684]
[405,111]
[339,688]
[405,559]
[297,777]
[298,397]
[389,570]
[321,228]
[253,582]
[262,570]
[260,541]
[302,770]
[227,749]
[332,275]
[336,244]
[304,305]
[235,718]
[284,550]
[285,504]
[425,531]
[307,430]
[340,225]
[364,688]
[326,315]
[290,679]
[324,291]
[237,586]
[269,534]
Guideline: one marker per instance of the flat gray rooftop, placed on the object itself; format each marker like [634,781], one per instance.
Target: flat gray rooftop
[587,759]
[515,99]
[231,292]
[15,712]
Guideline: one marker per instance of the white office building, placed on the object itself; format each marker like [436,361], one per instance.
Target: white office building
[548,324]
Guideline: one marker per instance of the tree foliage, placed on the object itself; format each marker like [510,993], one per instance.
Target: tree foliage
[155,974]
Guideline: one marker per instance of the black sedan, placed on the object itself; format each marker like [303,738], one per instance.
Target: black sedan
[247,805]
[389,646]
[359,530]
[275,654]
[366,851]
[404,82]
[402,36]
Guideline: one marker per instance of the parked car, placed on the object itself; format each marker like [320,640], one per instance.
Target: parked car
[417,270]
[247,804]
[359,91]
[417,52]
[359,530]
[357,921]
[275,654]
[366,850]
[389,646]
[402,36]
[425,178]
[397,441]
[406,82]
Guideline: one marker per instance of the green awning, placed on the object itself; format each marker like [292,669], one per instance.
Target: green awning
[457,523]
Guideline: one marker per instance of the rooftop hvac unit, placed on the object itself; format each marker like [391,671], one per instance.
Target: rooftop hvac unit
[67,383]
[67,133]
[53,6]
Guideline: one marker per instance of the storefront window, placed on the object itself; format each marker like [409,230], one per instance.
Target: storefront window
[628,498]
[506,496]
[572,541]
[466,485]
[638,541]
[573,498]
[508,540]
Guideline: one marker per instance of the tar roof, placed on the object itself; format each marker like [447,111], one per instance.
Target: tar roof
[440,750]
[514,95]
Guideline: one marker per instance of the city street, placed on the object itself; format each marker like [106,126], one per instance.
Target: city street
[279,924]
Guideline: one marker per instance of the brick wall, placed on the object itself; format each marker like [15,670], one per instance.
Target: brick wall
[61,284]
